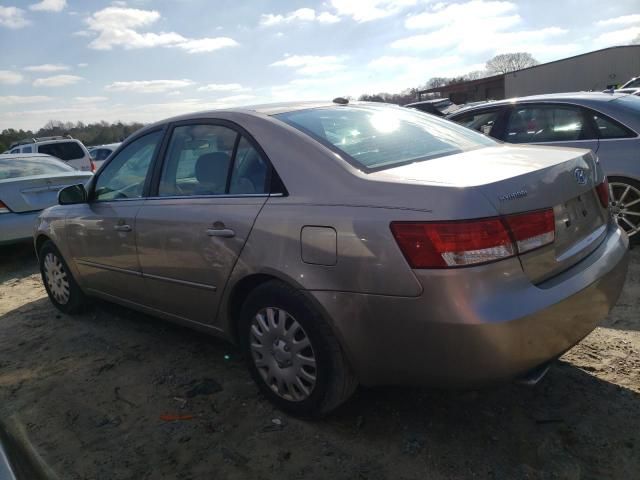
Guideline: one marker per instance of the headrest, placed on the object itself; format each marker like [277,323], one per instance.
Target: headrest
[212,167]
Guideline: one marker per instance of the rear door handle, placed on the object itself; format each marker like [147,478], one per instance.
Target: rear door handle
[122,228]
[221,232]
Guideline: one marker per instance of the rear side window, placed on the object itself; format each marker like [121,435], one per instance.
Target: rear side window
[63,150]
[482,122]
[534,124]
[28,149]
[609,128]
[376,138]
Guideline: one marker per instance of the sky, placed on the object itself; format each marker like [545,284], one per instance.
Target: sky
[145,60]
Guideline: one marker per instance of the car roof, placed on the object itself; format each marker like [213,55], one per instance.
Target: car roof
[433,101]
[569,97]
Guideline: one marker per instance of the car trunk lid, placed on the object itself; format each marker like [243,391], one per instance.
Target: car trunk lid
[28,194]
[517,179]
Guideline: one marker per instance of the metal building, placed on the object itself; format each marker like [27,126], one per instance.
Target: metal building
[597,70]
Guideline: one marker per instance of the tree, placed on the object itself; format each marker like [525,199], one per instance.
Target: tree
[510,62]
[435,82]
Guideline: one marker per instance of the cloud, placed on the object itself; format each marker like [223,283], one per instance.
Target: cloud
[480,27]
[83,65]
[82,33]
[47,68]
[311,64]
[235,99]
[7,77]
[148,86]
[19,100]
[118,27]
[300,15]
[368,10]
[617,37]
[12,17]
[623,20]
[222,87]
[57,81]
[90,99]
[202,45]
[49,6]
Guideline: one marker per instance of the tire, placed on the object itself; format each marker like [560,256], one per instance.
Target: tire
[63,291]
[630,223]
[275,346]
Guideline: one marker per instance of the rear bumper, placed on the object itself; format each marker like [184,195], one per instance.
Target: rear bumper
[15,227]
[479,325]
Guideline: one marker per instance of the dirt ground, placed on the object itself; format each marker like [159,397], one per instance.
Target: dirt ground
[90,393]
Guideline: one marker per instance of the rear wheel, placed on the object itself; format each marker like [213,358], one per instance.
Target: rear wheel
[63,291]
[292,353]
[624,198]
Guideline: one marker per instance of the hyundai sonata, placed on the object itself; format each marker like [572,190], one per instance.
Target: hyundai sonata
[341,244]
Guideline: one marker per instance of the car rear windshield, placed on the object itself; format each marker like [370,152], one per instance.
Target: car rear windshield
[63,150]
[25,167]
[376,138]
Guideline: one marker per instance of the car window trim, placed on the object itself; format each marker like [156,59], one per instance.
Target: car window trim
[240,132]
[145,188]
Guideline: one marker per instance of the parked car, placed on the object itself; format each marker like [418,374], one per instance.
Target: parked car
[345,244]
[70,150]
[438,107]
[633,83]
[606,123]
[100,153]
[630,91]
[30,183]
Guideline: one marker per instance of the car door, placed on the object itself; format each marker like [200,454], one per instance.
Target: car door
[554,124]
[101,233]
[212,185]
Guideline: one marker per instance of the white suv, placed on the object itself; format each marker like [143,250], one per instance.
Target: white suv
[65,148]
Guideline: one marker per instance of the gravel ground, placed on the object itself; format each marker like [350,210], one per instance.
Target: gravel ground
[113,394]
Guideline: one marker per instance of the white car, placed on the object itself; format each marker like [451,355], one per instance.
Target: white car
[66,148]
[100,153]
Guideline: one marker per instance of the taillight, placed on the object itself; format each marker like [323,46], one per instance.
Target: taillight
[472,242]
[4,208]
[453,244]
[93,165]
[602,190]
[533,229]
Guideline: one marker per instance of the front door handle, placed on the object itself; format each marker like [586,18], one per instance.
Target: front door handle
[221,232]
[122,228]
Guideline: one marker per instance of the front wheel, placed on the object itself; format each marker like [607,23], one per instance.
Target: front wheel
[292,353]
[624,198]
[63,291]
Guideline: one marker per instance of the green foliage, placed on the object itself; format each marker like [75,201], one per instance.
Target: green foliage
[89,134]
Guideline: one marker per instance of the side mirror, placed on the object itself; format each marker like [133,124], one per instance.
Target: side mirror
[72,194]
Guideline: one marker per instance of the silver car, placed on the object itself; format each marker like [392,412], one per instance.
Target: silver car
[342,244]
[30,183]
[606,123]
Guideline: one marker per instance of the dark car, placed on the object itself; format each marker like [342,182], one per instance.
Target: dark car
[439,106]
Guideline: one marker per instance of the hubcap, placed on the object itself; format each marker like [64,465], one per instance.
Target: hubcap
[56,278]
[625,206]
[283,354]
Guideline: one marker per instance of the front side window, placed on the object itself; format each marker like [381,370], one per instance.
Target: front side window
[535,124]
[63,150]
[482,122]
[125,175]
[376,138]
